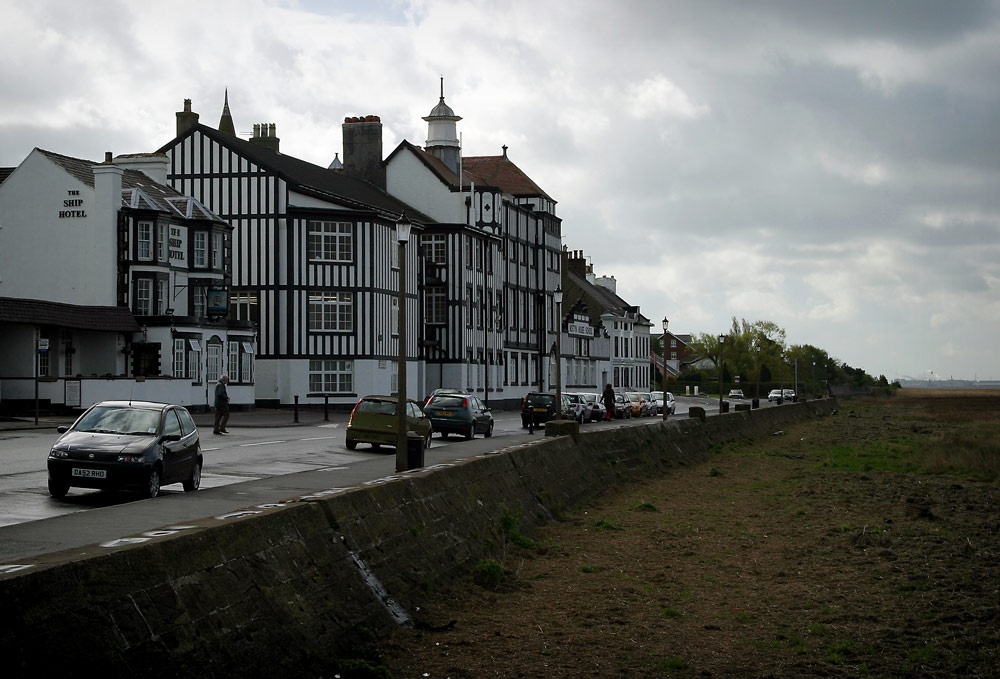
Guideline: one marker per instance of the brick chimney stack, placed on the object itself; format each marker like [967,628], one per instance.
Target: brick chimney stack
[266,135]
[363,149]
[186,119]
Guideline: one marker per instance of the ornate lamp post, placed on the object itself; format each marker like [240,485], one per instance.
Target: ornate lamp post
[403,226]
[722,338]
[557,296]
[666,408]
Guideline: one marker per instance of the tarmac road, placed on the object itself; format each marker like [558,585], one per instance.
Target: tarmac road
[104,527]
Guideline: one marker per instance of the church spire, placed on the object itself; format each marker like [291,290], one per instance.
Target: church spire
[226,122]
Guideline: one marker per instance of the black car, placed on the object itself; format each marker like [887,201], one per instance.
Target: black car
[461,414]
[127,445]
[538,407]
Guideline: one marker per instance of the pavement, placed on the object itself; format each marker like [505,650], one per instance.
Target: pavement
[258,417]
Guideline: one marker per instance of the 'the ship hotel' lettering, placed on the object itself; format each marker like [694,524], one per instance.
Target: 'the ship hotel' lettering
[72,203]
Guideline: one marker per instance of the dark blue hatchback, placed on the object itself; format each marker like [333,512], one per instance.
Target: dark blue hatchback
[461,414]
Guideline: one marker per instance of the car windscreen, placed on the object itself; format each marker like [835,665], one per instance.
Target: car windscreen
[541,399]
[116,420]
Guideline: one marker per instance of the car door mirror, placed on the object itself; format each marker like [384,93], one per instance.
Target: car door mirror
[170,437]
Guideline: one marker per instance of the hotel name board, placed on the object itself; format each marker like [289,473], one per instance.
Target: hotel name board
[73,206]
[580,330]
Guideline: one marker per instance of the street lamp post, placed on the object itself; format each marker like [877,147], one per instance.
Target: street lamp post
[402,237]
[721,340]
[666,407]
[557,296]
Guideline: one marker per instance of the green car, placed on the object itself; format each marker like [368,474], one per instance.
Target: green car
[373,421]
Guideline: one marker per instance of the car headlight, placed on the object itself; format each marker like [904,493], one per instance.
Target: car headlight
[131,457]
[58,453]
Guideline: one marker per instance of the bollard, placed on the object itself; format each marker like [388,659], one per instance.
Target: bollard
[296,408]
[755,403]
[697,411]
[326,407]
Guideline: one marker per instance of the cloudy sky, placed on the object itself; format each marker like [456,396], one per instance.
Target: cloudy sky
[833,167]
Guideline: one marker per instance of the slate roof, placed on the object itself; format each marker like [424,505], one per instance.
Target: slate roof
[138,190]
[5,172]
[598,299]
[43,312]
[305,177]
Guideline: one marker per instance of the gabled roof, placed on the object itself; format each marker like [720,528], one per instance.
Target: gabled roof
[42,312]
[304,177]
[598,299]
[5,172]
[430,161]
[138,190]
[501,172]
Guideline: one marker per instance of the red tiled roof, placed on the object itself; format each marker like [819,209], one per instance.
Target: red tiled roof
[501,172]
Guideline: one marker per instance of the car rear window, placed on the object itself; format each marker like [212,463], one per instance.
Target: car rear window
[448,401]
[541,399]
[377,406]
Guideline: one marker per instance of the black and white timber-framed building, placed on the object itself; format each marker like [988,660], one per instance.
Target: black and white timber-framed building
[314,267]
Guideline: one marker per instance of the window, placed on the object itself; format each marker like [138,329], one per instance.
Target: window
[331,311]
[244,306]
[162,295]
[201,249]
[187,358]
[241,353]
[143,296]
[144,241]
[331,376]
[331,241]
[161,242]
[435,248]
[436,306]
[234,360]
[213,365]
[199,301]
[217,242]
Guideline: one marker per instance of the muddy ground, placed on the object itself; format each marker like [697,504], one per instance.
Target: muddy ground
[865,544]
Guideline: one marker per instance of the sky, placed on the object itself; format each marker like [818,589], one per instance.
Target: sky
[831,167]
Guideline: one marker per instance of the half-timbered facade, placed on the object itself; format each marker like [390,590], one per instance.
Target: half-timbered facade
[119,281]
[314,262]
[490,265]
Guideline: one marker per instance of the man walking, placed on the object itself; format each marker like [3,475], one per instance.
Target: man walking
[221,405]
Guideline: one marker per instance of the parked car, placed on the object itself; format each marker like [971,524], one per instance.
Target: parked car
[775,396]
[623,406]
[443,390]
[578,408]
[640,408]
[538,407]
[459,414]
[127,445]
[670,402]
[373,421]
[788,395]
[662,401]
[651,407]
[596,407]
[736,393]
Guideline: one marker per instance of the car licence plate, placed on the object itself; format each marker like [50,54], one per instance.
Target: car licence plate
[541,410]
[90,473]
[445,413]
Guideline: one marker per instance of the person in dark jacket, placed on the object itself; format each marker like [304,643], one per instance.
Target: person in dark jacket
[221,405]
[608,398]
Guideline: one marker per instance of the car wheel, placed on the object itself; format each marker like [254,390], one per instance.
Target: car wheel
[193,483]
[152,488]
[470,432]
[58,490]
[351,444]
[489,431]
[427,441]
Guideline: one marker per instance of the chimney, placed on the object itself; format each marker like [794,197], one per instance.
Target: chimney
[608,283]
[266,135]
[363,149]
[186,119]
[575,262]
[107,205]
[153,165]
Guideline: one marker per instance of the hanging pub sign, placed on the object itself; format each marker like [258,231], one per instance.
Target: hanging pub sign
[218,302]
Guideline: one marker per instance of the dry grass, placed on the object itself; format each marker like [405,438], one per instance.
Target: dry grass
[866,544]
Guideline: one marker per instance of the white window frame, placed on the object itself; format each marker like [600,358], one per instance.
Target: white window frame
[331,311]
[331,376]
[330,241]
[144,241]
[200,260]
[143,296]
